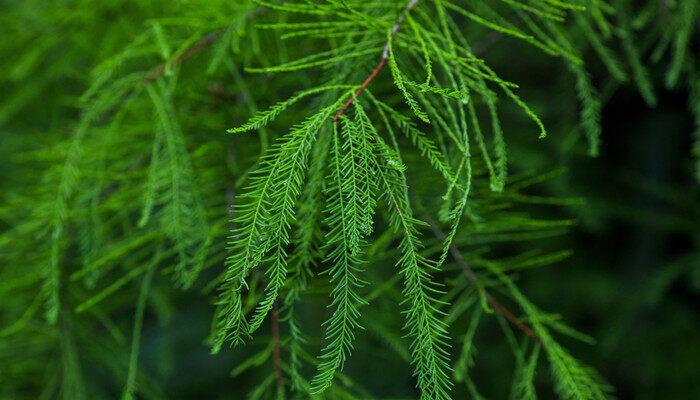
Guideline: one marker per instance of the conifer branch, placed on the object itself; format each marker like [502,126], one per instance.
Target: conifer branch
[382,61]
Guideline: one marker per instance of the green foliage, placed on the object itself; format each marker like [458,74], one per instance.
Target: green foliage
[114,208]
[695,110]
[171,184]
[351,203]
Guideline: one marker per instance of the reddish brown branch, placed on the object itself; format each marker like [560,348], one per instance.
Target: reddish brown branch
[511,318]
[362,88]
[382,61]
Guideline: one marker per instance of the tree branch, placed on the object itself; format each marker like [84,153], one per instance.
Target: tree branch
[198,46]
[202,43]
[382,62]
[474,279]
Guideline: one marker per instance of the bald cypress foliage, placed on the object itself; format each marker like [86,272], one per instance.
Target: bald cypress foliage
[340,186]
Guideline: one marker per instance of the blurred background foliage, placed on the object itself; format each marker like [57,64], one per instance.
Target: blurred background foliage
[629,217]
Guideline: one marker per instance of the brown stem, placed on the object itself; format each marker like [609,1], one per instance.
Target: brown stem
[199,45]
[276,352]
[501,309]
[192,50]
[382,61]
[474,279]
[362,88]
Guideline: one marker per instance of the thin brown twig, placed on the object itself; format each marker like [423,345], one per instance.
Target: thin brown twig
[199,45]
[501,309]
[382,61]
[202,43]
[474,279]
[276,351]
[362,88]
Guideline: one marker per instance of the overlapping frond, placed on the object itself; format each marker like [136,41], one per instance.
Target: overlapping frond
[172,184]
[423,324]
[351,203]
[263,223]
[573,380]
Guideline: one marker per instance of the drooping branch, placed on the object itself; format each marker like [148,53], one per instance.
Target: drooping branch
[382,61]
